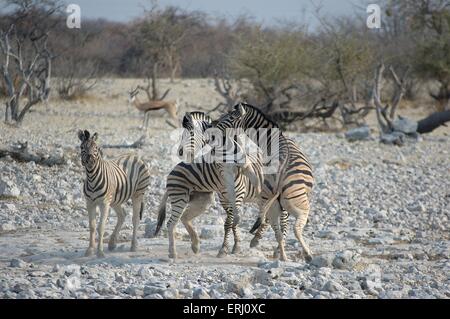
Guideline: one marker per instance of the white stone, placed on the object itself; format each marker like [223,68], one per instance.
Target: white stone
[9,189]
[200,293]
[7,227]
[17,263]
[358,134]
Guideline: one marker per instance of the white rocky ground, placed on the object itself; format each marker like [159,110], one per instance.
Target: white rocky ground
[379,225]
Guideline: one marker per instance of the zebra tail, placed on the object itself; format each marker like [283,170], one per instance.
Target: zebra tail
[161,214]
[256,225]
[263,212]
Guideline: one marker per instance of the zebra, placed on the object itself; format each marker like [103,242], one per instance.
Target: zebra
[195,182]
[195,137]
[291,185]
[110,184]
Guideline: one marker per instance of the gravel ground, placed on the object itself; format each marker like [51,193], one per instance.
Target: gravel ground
[379,225]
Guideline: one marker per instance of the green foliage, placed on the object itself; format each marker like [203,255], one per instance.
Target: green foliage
[433,51]
[433,58]
[343,61]
[271,60]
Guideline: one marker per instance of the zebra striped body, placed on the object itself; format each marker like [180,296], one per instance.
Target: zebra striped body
[110,184]
[290,186]
[116,181]
[187,180]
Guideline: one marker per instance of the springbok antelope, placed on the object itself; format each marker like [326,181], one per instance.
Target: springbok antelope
[170,106]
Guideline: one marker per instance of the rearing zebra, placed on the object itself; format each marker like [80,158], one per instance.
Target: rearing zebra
[291,184]
[110,184]
[195,137]
[187,180]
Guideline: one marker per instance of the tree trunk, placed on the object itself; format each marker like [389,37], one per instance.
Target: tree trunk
[7,113]
[432,122]
[20,152]
[14,109]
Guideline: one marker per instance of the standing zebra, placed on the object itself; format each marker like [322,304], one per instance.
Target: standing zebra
[187,181]
[291,184]
[110,184]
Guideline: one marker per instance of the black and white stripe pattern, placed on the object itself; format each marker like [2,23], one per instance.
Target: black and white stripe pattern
[110,184]
[291,185]
[187,180]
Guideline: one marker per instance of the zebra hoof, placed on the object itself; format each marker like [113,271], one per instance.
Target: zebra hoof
[254,242]
[172,255]
[236,250]
[100,254]
[195,248]
[308,258]
[89,252]
[222,253]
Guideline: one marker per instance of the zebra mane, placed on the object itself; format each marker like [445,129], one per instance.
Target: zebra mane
[189,117]
[257,110]
[201,116]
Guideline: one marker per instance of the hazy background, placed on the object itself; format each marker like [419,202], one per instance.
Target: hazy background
[295,59]
[267,12]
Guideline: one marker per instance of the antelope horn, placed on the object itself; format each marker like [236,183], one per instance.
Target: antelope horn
[134,91]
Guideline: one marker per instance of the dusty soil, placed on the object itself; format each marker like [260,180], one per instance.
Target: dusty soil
[379,225]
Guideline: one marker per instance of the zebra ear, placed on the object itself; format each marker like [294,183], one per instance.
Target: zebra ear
[81,135]
[86,134]
[241,109]
[94,137]
[187,120]
[208,119]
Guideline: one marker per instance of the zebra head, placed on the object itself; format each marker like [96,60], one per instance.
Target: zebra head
[245,116]
[193,138]
[90,152]
[234,119]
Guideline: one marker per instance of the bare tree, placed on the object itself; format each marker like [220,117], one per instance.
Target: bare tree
[160,35]
[230,90]
[26,60]
[77,73]
[75,84]
[386,114]
[33,71]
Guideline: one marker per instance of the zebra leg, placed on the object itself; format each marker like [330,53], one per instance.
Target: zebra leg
[237,239]
[274,222]
[228,225]
[198,204]
[91,208]
[301,217]
[138,207]
[274,209]
[178,207]
[284,216]
[230,196]
[104,208]
[120,219]
[300,223]
[259,233]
